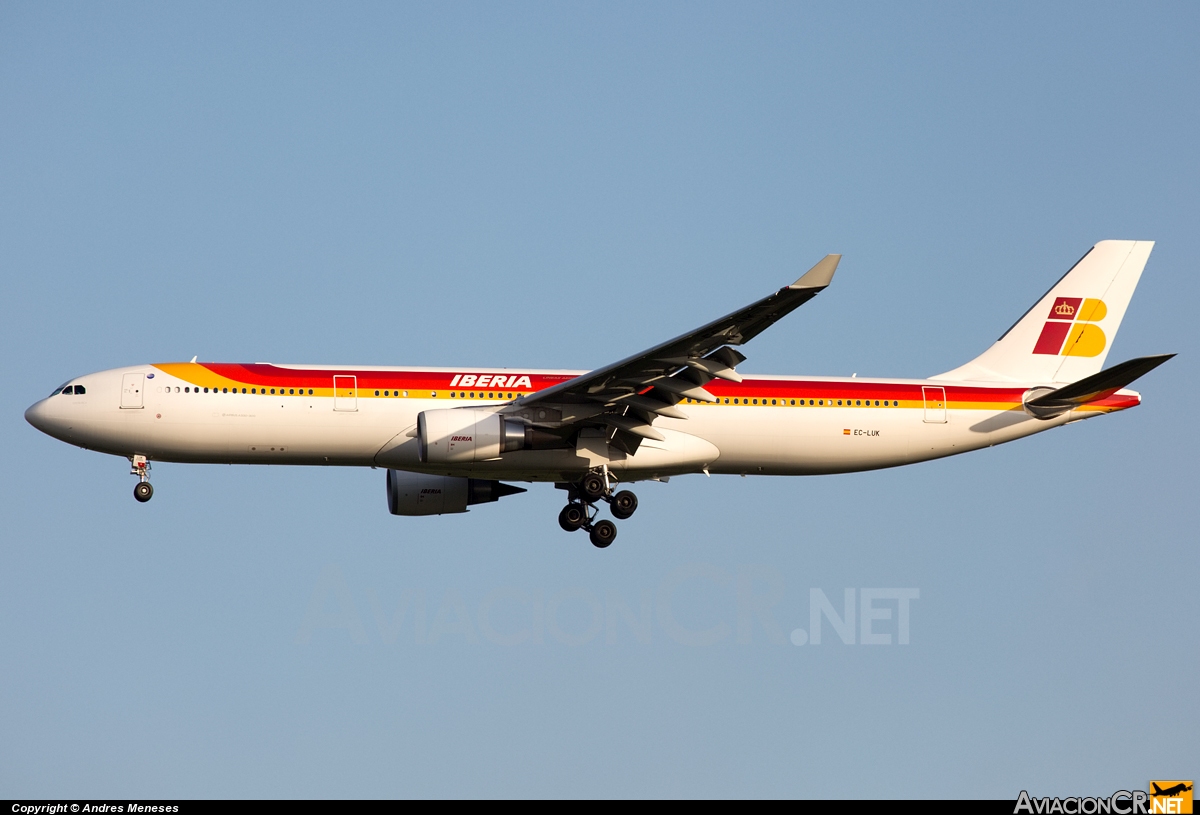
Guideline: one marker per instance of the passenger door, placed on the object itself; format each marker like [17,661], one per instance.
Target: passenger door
[345,393]
[131,390]
[935,404]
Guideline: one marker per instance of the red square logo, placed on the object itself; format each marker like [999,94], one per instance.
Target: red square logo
[1051,339]
[1065,308]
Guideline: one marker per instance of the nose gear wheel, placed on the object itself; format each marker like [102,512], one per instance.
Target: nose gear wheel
[142,491]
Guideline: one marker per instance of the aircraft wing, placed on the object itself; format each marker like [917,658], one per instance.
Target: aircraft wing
[628,394]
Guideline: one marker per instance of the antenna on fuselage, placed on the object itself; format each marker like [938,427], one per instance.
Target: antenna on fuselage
[195,357]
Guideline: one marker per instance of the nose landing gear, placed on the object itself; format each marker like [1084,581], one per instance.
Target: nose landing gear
[581,512]
[142,491]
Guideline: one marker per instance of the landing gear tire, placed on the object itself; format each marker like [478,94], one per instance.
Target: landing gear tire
[603,534]
[623,504]
[592,487]
[572,517]
[143,492]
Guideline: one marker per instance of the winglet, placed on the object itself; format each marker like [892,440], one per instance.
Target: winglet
[818,277]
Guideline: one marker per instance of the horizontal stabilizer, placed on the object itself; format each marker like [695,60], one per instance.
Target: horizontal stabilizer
[1050,403]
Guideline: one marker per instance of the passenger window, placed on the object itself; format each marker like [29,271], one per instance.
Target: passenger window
[376,393]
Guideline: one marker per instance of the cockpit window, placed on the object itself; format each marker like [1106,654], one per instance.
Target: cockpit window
[67,390]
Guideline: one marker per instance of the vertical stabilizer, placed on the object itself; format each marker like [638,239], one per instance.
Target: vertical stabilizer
[1067,333]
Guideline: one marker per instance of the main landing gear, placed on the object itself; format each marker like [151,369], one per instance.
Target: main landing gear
[581,512]
[143,492]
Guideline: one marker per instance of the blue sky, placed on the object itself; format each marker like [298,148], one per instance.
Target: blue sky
[559,185]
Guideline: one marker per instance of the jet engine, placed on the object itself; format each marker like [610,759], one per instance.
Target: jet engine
[463,435]
[421,494]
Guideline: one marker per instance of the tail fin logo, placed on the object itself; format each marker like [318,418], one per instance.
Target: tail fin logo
[1070,331]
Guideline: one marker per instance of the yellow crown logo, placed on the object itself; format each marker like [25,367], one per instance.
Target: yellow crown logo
[1064,309]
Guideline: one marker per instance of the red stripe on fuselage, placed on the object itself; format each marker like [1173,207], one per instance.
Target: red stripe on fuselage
[271,376]
[266,375]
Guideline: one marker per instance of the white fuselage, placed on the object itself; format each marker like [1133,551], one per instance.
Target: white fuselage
[190,412]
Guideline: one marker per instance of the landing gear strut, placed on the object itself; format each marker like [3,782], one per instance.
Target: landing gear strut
[581,512]
[143,492]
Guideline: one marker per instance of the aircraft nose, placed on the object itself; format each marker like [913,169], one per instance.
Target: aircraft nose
[37,415]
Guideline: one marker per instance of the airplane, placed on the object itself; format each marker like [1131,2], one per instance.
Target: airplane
[450,438]
[1170,792]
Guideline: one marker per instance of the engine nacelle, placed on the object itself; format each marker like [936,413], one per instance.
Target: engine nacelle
[464,435]
[421,494]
